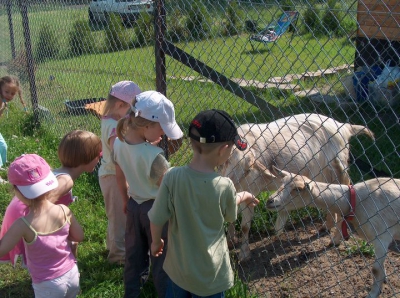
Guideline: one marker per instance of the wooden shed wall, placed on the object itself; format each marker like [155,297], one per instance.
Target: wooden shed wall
[378,34]
[379,19]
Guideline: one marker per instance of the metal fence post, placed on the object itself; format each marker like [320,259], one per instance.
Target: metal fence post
[161,78]
[11,29]
[30,62]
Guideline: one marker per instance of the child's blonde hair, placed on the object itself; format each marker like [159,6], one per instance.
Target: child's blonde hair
[78,147]
[131,122]
[109,106]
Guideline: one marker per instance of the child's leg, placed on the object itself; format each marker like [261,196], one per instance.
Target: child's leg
[160,278]
[66,286]
[3,151]
[136,249]
[116,219]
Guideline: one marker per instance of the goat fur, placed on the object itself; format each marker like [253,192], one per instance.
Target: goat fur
[377,211]
[310,144]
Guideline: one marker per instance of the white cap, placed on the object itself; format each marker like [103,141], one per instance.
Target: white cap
[154,106]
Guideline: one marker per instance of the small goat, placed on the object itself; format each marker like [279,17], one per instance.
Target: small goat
[309,144]
[376,213]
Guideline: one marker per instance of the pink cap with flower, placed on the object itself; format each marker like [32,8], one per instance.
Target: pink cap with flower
[32,175]
[125,91]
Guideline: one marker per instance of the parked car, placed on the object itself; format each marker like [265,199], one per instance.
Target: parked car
[128,10]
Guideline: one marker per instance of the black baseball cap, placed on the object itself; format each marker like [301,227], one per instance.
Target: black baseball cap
[216,126]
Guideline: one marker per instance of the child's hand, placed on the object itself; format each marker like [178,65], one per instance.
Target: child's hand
[248,198]
[157,248]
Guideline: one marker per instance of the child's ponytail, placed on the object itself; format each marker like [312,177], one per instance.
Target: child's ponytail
[123,125]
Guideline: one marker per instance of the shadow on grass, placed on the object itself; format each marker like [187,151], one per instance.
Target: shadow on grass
[15,282]
[20,289]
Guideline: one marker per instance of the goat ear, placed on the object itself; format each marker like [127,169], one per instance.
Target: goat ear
[278,172]
[264,169]
[308,185]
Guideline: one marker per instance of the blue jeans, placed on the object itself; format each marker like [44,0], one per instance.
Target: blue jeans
[3,151]
[174,291]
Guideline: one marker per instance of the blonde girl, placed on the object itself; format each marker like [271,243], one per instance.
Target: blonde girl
[9,87]
[140,166]
[46,230]
[79,151]
[116,106]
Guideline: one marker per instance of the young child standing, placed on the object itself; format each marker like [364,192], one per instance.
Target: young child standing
[141,165]
[116,106]
[79,151]
[45,230]
[9,87]
[196,201]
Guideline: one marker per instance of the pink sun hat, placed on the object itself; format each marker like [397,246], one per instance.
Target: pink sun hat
[32,175]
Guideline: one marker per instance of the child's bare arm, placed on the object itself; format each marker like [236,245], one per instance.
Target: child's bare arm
[65,184]
[76,233]
[13,235]
[158,168]
[157,244]
[122,185]
[2,107]
[246,197]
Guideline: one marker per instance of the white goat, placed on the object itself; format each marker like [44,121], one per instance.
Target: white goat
[309,144]
[376,213]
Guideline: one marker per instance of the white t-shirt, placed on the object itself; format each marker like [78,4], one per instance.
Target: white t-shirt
[108,130]
[143,165]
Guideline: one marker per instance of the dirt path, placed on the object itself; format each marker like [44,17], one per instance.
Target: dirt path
[300,264]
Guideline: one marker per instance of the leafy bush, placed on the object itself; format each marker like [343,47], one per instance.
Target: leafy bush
[176,30]
[47,46]
[198,21]
[144,29]
[115,38]
[19,65]
[80,39]
[234,16]
[287,5]
[336,22]
[330,20]
[312,21]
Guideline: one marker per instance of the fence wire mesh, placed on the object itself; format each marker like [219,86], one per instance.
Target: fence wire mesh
[259,61]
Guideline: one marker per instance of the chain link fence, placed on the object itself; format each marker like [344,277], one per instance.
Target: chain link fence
[258,60]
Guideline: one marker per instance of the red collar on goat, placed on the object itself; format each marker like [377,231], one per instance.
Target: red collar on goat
[351,215]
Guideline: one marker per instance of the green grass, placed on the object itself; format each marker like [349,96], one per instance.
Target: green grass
[92,76]
[360,247]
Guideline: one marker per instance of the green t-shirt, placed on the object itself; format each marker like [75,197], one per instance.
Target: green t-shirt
[196,205]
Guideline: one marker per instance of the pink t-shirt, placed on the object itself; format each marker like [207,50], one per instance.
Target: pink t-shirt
[15,210]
